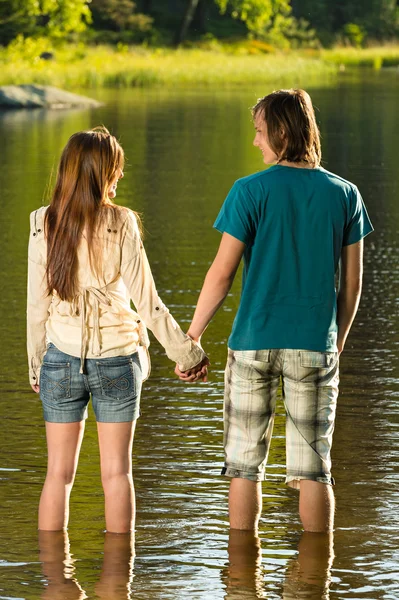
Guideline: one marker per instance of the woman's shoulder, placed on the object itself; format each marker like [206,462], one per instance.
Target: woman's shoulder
[118,214]
[121,220]
[129,219]
[36,219]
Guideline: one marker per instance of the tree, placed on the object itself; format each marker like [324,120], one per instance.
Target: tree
[120,15]
[378,19]
[256,14]
[187,19]
[55,18]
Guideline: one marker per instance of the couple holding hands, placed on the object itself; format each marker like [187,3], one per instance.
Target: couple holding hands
[293,225]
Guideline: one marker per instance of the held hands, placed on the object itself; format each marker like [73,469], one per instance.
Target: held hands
[197,373]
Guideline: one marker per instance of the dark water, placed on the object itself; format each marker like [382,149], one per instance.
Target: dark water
[184,151]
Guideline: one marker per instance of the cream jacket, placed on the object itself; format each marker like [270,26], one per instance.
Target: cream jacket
[100,322]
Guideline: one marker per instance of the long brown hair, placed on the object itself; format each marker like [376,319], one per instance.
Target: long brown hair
[292,130]
[89,163]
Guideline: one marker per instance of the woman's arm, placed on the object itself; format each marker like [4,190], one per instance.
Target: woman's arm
[137,276]
[38,303]
[350,289]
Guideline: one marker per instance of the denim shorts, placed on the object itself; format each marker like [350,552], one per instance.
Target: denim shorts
[310,390]
[114,385]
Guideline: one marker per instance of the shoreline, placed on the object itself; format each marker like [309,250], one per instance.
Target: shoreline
[86,67]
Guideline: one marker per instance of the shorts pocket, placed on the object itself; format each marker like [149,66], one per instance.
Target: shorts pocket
[249,364]
[317,360]
[117,378]
[251,355]
[55,381]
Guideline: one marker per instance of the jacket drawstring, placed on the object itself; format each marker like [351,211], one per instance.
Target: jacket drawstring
[99,297]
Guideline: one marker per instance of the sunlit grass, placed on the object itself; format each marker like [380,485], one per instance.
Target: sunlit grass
[78,66]
[378,57]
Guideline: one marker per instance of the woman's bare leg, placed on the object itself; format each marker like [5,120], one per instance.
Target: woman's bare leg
[63,446]
[116,442]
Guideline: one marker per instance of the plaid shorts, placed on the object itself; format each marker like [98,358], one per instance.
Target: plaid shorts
[310,390]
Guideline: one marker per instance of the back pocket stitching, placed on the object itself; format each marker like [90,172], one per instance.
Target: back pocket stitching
[107,384]
[64,384]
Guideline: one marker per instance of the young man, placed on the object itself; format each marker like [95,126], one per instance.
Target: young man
[292,223]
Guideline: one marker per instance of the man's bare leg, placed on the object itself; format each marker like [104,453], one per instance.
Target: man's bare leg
[245,503]
[316,506]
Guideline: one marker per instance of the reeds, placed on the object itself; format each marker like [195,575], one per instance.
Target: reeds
[79,66]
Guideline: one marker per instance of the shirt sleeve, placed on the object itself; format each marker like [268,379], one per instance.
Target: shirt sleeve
[359,224]
[38,303]
[236,216]
[137,276]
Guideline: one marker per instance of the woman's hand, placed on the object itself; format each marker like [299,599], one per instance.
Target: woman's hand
[197,373]
[35,387]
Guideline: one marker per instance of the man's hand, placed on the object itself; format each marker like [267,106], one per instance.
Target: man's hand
[35,387]
[197,373]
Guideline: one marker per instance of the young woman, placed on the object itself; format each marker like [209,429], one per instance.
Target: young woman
[86,261]
[292,223]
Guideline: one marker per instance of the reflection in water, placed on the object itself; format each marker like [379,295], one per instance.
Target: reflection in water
[59,570]
[117,571]
[185,148]
[243,574]
[308,575]
[58,567]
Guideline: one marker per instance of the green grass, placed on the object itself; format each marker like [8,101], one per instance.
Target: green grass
[376,58]
[239,64]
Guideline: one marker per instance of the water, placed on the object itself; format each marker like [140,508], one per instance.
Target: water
[184,151]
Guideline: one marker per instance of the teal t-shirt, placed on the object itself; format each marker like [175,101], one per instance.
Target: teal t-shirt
[294,223]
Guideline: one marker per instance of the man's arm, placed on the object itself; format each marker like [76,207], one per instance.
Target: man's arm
[350,289]
[217,284]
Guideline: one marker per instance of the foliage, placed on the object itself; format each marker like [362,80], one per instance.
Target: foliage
[76,66]
[256,14]
[376,19]
[53,18]
[119,15]
[353,35]
[272,21]
[288,32]
[28,48]
[283,24]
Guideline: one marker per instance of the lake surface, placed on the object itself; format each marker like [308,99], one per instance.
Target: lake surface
[184,150]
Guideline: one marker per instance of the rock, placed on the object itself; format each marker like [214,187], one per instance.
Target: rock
[41,96]
[47,56]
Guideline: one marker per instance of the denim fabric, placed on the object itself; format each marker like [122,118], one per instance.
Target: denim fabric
[310,390]
[114,385]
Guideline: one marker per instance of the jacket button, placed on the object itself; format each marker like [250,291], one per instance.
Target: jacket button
[109,231]
[34,378]
[138,321]
[34,234]
[39,230]
[115,231]
[157,308]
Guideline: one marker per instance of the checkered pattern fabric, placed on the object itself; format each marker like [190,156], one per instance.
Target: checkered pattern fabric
[310,390]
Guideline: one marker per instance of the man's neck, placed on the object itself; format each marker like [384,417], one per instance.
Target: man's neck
[295,165]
